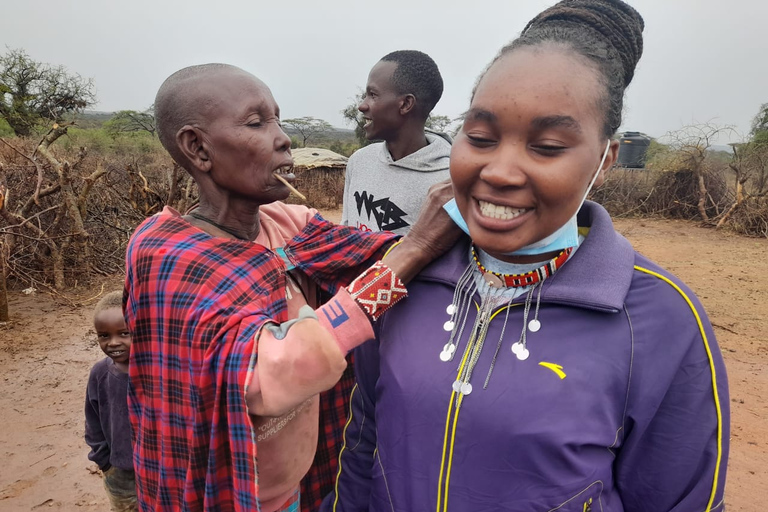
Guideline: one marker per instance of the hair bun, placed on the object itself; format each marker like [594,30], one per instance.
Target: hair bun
[617,22]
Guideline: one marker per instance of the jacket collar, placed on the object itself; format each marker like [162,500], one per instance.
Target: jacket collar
[597,276]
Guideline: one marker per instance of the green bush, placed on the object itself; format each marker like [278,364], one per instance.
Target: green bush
[343,148]
[99,141]
[5,129]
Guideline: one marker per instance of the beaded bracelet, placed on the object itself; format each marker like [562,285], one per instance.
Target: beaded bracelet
[377,289]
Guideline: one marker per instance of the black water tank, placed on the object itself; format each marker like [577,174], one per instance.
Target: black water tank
[632,150]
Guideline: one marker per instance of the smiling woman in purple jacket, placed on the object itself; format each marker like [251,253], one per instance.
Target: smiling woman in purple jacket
[542,364]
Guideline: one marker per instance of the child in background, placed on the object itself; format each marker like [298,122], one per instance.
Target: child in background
[107,429]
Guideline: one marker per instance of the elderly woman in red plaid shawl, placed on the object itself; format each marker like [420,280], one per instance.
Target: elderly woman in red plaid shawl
[238,387]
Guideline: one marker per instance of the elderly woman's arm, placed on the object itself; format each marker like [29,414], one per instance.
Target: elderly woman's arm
[307,356]
[430,237]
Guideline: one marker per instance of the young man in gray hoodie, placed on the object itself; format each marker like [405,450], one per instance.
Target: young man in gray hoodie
[387,182]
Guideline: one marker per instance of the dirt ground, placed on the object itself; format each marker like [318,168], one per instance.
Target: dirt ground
[47,350]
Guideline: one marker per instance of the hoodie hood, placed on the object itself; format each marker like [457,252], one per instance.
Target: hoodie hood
[435,156]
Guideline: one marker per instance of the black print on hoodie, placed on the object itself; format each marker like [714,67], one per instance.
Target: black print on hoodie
[388,215]
[384,194]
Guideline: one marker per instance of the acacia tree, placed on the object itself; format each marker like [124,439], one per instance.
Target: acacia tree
[308,127]
[32,91]
[129,121]
[760,121]
[354,117]
[438,123]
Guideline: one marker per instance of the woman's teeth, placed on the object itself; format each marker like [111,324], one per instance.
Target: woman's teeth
[500,212]
[367,122]
[286,169]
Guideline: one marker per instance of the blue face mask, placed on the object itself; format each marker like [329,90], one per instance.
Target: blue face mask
[453,212]
[565,236]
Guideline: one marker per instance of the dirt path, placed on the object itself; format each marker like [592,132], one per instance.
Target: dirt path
[47,351]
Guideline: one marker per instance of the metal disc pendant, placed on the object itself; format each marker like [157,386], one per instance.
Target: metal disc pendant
[466,388]
[534,325]
[451,309]
[517,348]
[447,353]
[448,326]
[523,354]
[457,386]
[493,280]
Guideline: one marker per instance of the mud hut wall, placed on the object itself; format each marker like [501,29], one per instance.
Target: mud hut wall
[323,186]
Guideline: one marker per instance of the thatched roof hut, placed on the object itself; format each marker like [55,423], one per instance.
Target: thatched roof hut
[320,175]
[313,158]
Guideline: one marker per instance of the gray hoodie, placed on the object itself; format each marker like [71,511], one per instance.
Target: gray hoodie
[381,194]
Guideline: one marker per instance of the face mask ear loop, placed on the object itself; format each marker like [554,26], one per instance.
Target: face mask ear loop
[597,173]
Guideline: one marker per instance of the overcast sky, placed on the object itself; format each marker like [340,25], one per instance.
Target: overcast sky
[704,59]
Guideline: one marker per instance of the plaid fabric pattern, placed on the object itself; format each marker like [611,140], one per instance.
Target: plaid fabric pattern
[194,304]
[292,504]
[333,256]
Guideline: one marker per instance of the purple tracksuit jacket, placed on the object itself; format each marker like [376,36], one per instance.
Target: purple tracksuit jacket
[621,406]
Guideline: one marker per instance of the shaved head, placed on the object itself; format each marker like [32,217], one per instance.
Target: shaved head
[188,97]
[222,125]
[110,300]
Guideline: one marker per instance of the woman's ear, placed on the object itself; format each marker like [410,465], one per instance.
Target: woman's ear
[610,159]
[195,148]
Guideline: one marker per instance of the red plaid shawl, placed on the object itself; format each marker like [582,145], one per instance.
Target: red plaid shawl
[194,304]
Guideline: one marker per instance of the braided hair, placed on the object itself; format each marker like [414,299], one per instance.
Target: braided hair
[608,33]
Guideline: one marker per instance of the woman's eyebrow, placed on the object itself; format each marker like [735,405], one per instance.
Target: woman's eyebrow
[478,114]
[543,123]
[256,106]
[262,108]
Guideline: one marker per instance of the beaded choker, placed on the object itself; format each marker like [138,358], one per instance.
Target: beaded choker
[496,280]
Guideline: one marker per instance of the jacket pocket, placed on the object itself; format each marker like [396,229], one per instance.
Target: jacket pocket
[588,499]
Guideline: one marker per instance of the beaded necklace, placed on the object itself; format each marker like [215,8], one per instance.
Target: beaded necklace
[496,280]
[492,298]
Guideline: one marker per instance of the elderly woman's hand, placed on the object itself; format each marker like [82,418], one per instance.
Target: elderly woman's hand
[431,236]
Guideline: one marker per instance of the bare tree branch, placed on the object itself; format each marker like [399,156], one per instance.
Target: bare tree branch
[36,195]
